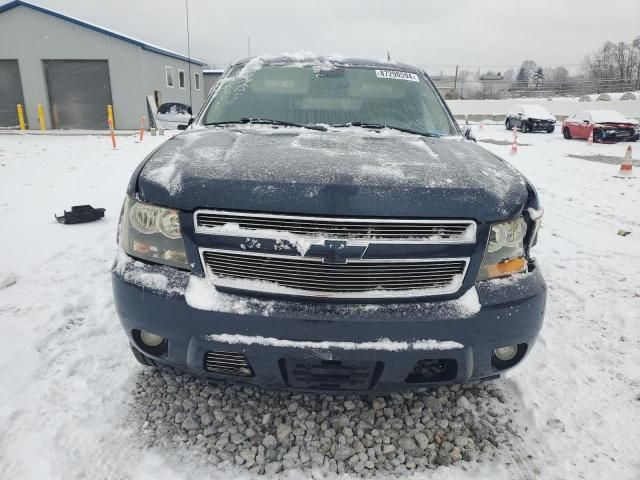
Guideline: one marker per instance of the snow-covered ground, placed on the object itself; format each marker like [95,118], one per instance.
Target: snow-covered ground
[70,391]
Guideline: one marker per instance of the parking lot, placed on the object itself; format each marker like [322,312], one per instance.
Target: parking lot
[73,393]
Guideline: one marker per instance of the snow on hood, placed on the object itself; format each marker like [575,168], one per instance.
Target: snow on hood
[340,171]
[537,112]
[608,116]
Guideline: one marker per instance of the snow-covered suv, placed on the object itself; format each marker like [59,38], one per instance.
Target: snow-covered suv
[324,225]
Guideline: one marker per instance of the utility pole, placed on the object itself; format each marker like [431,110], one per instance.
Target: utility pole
[186,5]
[455,82]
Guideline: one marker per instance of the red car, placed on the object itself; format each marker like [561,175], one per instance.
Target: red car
[607,126]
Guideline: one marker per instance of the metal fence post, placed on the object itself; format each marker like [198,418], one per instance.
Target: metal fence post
[43,126]
[21,117]
[110,116]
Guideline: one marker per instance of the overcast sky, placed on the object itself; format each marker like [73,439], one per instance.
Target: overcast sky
[475,33]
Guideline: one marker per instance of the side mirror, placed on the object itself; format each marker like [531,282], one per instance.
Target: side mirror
[469,135]
[183,126]
[587,122]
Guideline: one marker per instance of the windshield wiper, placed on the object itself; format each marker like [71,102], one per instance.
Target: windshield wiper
[268,121]
[384,125]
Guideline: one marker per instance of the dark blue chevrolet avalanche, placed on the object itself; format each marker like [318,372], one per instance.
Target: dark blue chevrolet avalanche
[324,225]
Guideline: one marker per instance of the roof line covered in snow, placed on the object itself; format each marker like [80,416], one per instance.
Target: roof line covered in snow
[96,28]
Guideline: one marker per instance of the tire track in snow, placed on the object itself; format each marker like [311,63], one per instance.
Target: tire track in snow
[75,407]
[578,382]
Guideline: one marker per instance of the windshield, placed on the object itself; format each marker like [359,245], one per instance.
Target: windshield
[338,96]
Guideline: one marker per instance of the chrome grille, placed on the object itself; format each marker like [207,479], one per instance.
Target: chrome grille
[227,363]
[309,276]
[382,230]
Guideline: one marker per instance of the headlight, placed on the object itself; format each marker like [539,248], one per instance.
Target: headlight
[505,250]
[152,233]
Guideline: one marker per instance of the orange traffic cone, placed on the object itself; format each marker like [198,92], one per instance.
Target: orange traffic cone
[141,128]
[481,125]
[113,135]
[590,139]
[626,167]
[514,143]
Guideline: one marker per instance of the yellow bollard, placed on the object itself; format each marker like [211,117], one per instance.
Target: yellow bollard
[21,117]
[110,116]
[41,117]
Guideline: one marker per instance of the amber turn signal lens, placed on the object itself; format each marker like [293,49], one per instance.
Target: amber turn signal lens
[508,267]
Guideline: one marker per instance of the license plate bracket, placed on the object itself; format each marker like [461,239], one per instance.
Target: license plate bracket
[312,374]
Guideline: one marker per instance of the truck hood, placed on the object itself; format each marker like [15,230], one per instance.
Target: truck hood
[350,171]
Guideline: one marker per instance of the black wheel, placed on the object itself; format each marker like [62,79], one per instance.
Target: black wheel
[551,129]
[524,127]
[507,124]
[566,133]
[142,358]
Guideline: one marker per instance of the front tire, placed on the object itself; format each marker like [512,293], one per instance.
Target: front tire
[566,133]
[523,127]
[551,129]
[142,358]
[507,124]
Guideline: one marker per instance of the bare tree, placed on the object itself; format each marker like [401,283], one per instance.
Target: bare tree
[615,67]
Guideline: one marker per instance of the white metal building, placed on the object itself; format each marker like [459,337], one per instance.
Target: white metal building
[74,69]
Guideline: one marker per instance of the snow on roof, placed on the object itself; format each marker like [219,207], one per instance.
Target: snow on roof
[324,62]
[607,97]
[604,116]
[630,96]
[96,28]
[534,109]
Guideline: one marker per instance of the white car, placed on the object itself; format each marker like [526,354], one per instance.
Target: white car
[172,114]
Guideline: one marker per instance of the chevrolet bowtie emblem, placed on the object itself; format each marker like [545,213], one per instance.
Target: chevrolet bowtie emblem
[338,251]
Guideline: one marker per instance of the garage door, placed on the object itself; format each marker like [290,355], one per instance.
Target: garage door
[10,93]
[79,92]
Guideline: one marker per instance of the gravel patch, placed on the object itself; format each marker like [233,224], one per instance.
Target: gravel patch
[271,432]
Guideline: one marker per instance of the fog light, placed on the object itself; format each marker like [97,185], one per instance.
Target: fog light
[151,339]
[506,353]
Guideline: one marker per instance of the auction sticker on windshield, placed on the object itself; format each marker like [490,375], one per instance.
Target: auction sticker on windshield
[412,77]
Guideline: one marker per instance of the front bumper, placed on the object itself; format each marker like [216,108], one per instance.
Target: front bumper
[194,317]
[616,134]
[542,124]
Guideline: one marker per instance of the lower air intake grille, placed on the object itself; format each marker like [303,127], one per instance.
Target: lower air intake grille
[227,363]
[310,276]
